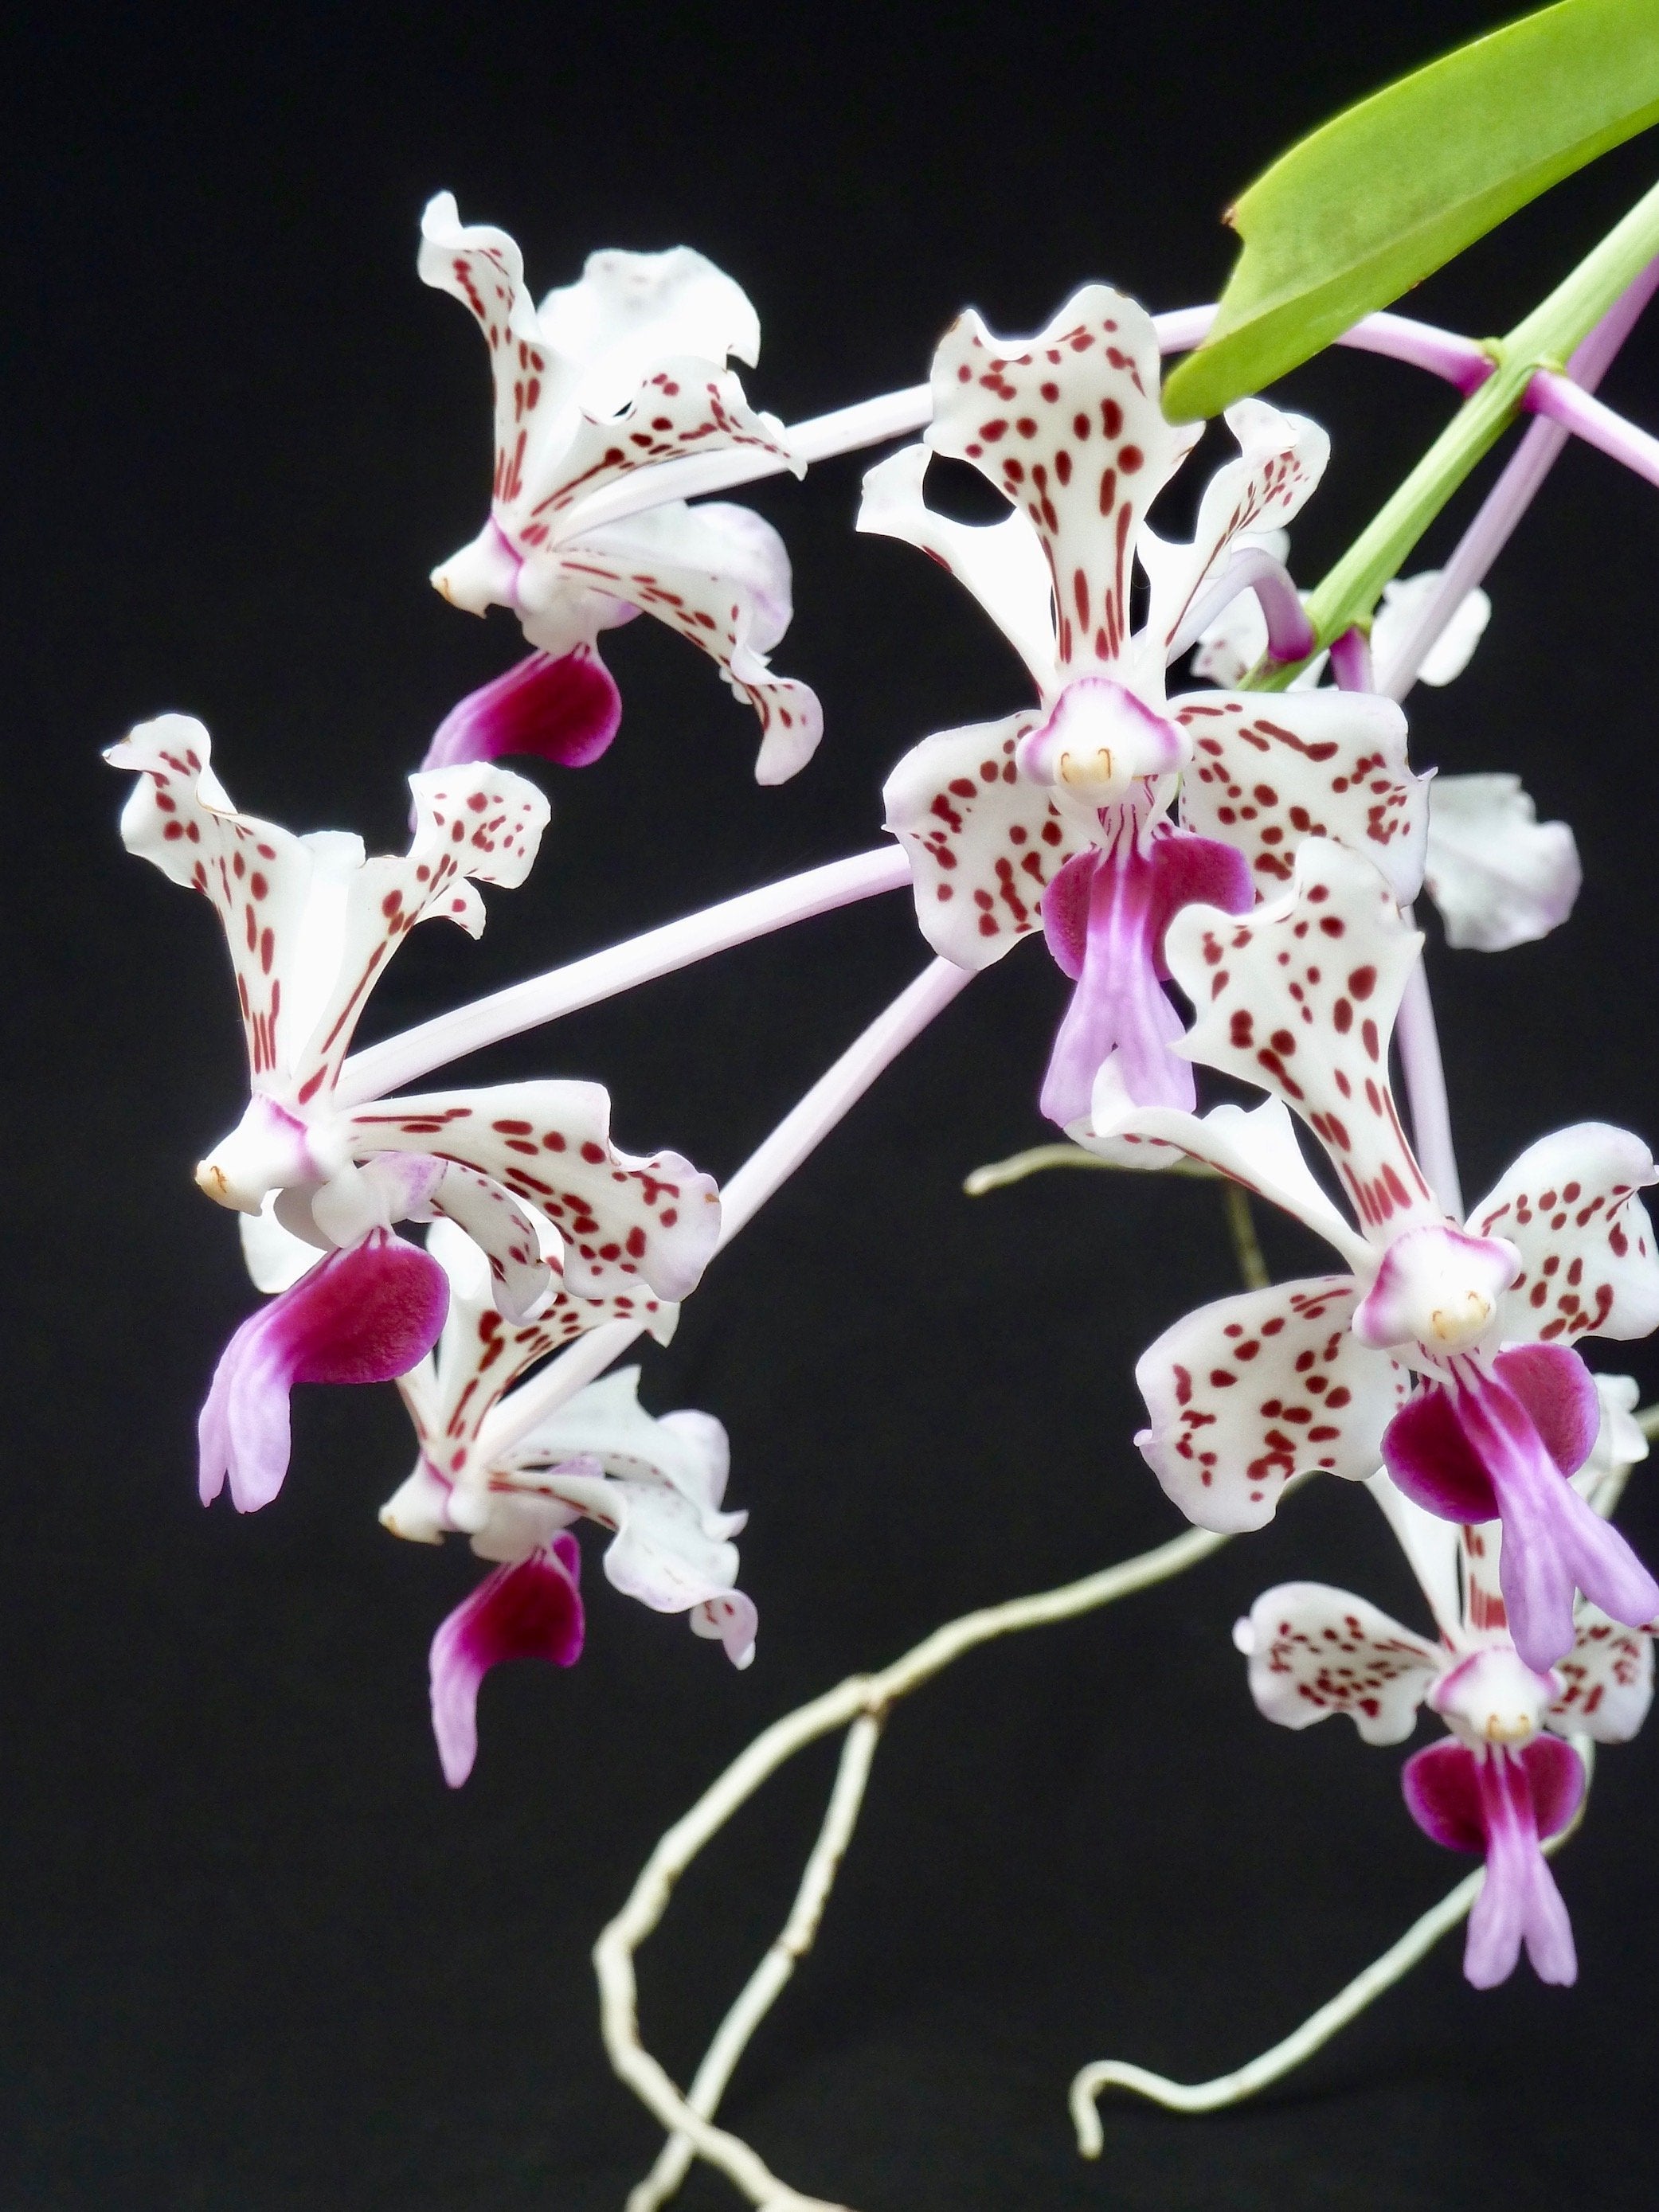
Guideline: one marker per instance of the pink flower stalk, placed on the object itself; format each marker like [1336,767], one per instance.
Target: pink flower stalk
[1059,816]
[609,379]
[1300,999]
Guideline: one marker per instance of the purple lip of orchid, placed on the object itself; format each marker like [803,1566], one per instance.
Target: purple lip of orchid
[1104,915]
[564,709]
[532,1609]
[1496,1442]
[364,1315]
[1503,1803]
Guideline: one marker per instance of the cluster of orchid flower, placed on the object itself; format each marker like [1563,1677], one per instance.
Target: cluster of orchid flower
[1257,848]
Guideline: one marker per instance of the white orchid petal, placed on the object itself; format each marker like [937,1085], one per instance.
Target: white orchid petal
[720,576]
[1314,1651]
[1281,459]
[1258,1148]
[1499,875]
[1265,774]
[1231,645]
[1001,563]
[1568,1205]
[1607,1678]
[1402,603]
[626,1223]
[681,405]
[1432,1547]
[1246,1393]
[984,842]
[627,311]
[606,1423]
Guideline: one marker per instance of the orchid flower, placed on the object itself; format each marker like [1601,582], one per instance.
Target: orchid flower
[1299,999]
[311,924]
[1499,877]
[1504,1782]
[1059,814]
[621,371]
[656,1484]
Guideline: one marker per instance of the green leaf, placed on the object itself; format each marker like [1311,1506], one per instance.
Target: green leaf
[1391,190]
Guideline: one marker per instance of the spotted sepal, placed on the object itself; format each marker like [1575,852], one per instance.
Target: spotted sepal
[1314,1651]
[1067,426]
[481,1354]
[311,922]
[258,878]
[483,269]
[478,823]
[1267,774]
[666,564]
[657,1482]
[984,842]
[681,407]
[1569,1205]
[1281,458]
[626,1223]
[1246,1393]
[1607,1678]
[1299,998]
[503,1232]
[1481,1547]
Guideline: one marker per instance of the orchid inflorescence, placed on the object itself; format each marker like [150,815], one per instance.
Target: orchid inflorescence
[1253,840]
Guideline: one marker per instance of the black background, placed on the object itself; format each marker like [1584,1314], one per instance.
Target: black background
[253,1953]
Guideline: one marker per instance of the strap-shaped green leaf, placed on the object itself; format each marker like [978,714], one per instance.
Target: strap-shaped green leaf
[1392,188]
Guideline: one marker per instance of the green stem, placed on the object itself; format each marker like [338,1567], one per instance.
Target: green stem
[1241,1227]
[1579,302]
[1542,340]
